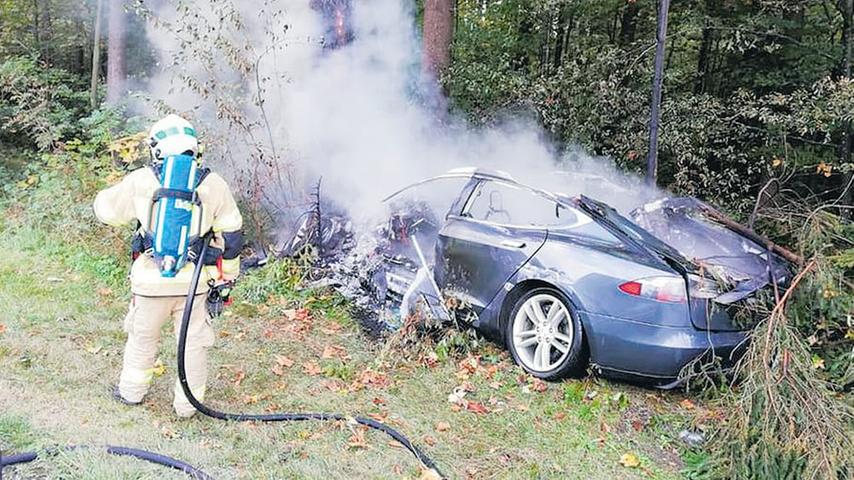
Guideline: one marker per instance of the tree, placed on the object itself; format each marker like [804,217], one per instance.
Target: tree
[438,32]
[96,56]
[846,8]
[116,66]
[658,79]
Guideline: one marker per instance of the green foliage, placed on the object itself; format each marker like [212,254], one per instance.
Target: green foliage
[15,432]
[39,105]
[748,85]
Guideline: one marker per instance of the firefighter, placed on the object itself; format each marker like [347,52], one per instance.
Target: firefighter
[157,298]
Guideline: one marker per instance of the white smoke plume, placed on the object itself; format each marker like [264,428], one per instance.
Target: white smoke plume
[361,115]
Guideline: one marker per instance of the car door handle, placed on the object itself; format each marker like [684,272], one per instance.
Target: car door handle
[513,244]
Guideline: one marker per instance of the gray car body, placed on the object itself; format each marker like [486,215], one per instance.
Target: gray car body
[489,265]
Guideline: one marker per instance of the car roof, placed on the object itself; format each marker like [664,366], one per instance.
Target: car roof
[463,172]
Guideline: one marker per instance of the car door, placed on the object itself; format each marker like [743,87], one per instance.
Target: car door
[501,226]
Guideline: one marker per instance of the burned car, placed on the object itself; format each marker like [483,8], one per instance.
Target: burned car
[566,282]
[563,282]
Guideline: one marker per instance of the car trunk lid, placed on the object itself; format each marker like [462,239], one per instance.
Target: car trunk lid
[742,268]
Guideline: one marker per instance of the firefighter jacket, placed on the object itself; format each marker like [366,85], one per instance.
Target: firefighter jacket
[131,199]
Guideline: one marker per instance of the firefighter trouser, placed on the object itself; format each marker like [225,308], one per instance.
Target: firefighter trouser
[143,324]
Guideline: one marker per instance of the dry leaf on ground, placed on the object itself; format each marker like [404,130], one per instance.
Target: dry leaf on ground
[629,460]
[311,368]
[476,407]
[284,361]
[357,440]
[334,351]
[239,375]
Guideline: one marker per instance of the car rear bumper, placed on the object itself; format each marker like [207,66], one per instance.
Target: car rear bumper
[633,348]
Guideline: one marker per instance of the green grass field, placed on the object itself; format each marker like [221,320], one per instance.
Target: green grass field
[62,299]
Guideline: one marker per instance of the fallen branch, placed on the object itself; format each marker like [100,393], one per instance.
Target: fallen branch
[741,229]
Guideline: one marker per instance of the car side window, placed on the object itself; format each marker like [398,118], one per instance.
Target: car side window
[505,204]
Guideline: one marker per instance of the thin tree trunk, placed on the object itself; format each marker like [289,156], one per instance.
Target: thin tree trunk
[845,150]
[48,29]
[562,27]
[658,79]
[96,56]
[629,23]
[703,61]
[116,70]
[438,31]
[37,27]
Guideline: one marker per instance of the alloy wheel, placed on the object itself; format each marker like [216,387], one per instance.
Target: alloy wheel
[543,332]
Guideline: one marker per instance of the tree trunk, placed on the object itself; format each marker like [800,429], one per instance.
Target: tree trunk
[116,72]
[658,79]
[438,31]
[96,56]
[560,35]
[36,27]
[48,30]
[847,9]
[703,61]
[629,23]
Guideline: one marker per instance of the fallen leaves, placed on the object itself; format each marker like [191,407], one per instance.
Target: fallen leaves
[443,426]
[476,407]
[687,404]
[169,432]
[311,368]
[357,440]
[282,362]
[159,369]
[629,460]
[430,360]
[334,351]
[824,169]
[239,375]
[539,386]
[2,329]
[370,378]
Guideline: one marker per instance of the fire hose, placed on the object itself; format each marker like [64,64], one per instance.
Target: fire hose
[156,458]
[272,417]
[192,471]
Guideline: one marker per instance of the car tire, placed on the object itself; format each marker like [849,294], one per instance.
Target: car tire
[546,343]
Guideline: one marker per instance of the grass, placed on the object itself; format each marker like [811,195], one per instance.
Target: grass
[62,300]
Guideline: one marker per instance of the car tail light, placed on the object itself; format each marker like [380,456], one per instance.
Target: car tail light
[660,289]
[700,287]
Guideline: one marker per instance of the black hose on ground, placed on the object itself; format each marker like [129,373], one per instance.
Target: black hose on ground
[272,417]
[156,458]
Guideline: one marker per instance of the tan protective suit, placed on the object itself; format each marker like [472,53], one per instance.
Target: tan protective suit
[156,298]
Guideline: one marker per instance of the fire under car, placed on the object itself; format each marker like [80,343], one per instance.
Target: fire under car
[568,282]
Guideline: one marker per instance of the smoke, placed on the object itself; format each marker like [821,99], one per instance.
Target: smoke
[362,116]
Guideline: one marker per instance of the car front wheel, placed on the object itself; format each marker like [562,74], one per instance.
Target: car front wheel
[544,335]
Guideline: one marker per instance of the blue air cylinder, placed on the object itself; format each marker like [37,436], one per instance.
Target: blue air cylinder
[173,204]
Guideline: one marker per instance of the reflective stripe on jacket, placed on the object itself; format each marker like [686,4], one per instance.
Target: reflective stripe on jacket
[130,200]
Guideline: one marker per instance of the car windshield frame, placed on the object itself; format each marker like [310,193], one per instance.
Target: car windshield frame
[634,232]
